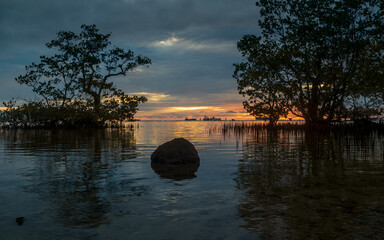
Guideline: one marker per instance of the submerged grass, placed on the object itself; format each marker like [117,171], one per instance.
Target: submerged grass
[369,136]
[239,128]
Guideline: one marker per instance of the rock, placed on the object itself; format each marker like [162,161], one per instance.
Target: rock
[177,159]
[176,152]
[20,220]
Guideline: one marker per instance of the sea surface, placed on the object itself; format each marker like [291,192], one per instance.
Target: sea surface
[99,184]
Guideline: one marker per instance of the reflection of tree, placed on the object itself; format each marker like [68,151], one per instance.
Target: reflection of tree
[320,187]
[75,171]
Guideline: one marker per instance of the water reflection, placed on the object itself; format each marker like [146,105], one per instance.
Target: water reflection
[99,185]
[176,172]
[76,172]
[298,186]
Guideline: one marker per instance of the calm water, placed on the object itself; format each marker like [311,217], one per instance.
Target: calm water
[99,184]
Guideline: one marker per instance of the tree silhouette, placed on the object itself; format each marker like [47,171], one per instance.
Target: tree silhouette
[311,57]
[81,72]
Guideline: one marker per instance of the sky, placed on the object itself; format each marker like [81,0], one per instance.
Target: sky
[192,45]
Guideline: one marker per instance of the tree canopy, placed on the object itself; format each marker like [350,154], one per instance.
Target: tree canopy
[76,80]
[320,60]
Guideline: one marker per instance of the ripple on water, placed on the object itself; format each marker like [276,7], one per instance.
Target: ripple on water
[99,184]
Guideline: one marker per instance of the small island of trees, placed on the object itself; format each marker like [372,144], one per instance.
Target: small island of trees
[74,85]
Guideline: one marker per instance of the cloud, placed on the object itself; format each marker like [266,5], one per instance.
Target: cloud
[174,43]
[168,42]
[153,97]
[192,44]
[130,18]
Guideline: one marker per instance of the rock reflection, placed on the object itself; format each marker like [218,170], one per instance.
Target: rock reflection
[175,172]
[75,171]
[298,186]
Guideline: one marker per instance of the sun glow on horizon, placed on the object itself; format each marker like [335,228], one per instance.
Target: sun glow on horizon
[225,112]
[190,108]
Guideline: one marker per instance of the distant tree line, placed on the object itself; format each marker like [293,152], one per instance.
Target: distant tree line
[319,60]
[74,84]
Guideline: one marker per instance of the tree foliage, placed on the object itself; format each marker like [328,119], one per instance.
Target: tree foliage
[316,56]
[257,79]
[77,79]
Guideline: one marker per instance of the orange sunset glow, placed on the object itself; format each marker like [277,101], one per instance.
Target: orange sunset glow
[162,106]
[225,112]
[230,111]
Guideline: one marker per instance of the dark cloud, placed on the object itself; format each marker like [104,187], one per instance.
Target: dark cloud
[146,19]
[198,65]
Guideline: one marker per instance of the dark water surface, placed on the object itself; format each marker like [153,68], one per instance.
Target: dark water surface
[99,184]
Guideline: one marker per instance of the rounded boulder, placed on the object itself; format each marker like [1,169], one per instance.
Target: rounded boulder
[179,151]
